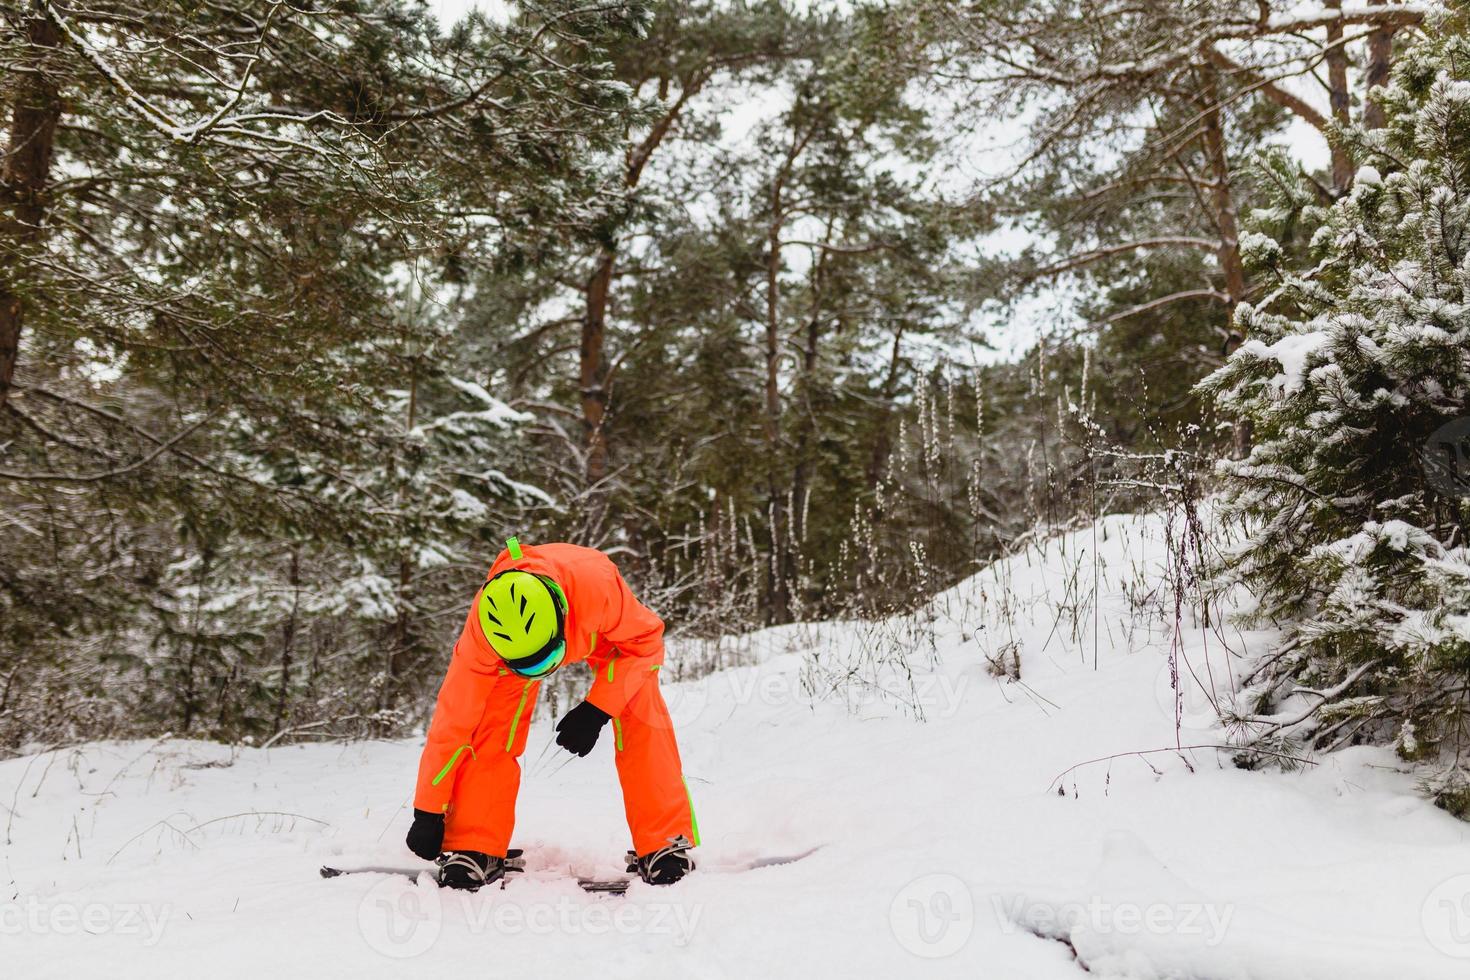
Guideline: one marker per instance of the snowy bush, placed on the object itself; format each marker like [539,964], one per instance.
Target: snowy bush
[1351,365]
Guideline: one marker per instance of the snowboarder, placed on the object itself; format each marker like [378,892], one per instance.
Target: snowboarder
[541,608]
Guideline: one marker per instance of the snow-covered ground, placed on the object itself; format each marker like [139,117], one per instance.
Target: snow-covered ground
[948,846]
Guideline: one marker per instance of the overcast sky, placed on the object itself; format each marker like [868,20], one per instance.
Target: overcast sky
[450,11]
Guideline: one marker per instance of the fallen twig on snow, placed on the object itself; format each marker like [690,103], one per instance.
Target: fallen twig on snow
[1056,780]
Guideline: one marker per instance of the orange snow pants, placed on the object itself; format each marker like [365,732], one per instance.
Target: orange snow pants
[481,812]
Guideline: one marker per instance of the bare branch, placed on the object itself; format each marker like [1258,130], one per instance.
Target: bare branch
[1096,255]
[1180,296]
[1267,87]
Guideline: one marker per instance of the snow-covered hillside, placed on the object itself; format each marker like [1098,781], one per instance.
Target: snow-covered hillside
[966,844]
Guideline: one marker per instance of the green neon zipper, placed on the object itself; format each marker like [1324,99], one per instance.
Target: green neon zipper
[450,764]
[516,720]
[618,731]
[693,820]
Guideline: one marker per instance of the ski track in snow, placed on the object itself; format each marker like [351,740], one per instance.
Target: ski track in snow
[943,836]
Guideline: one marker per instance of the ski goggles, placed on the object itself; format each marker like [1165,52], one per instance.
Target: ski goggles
[540,663]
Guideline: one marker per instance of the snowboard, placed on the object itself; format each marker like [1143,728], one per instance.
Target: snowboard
[616,886]
[515,863]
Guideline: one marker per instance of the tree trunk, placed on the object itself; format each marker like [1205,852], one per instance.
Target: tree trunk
[778,604]
[883,445]
[191,697]
[23,179]
[592,359]
[593,375]
[1380,56]
[288,640]
[1224,208]
[1223,204]
[1337,86]
[400,648]
[401,645]
[802,475]
[777,607]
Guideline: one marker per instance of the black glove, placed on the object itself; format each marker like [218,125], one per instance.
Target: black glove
[426,836]
[578,729]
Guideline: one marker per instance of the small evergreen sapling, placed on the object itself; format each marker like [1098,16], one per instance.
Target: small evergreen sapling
[1354,359]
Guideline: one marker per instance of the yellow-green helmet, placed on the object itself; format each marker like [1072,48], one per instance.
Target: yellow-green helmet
[523,619]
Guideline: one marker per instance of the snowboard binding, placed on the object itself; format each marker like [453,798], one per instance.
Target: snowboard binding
[665,865]
[473,870]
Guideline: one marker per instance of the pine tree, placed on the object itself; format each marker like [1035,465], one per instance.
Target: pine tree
[207,215]
[1354,362]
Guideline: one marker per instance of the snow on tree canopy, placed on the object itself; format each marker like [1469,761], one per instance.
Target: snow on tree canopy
[1292,353]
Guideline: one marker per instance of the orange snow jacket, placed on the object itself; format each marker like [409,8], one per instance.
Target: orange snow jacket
[620,638]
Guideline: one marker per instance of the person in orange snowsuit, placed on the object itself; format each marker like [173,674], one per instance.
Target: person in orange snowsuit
[543,607]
